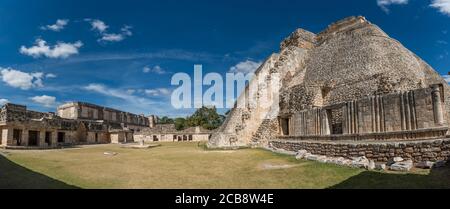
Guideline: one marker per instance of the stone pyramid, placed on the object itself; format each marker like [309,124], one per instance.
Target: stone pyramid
[349,60]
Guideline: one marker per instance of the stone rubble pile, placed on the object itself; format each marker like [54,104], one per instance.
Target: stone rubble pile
[394,164]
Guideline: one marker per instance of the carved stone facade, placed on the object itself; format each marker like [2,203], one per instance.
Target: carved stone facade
[350,83]
[168,133]
[76,123]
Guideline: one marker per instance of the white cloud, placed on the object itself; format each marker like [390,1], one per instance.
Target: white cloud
[22,80]
[3,101]
[158,92]
[58,26]
[98,25]
[157,69]
[126,30]
[46,101]
[112,37]
[60,50]
[446,78]
[131,91]
[442,5]
[102,28]
[384,4]
[50,75]
[245,67]
[116,37]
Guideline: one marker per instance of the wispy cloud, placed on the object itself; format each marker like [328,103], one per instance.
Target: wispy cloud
[157,70]
[102,28]
[98,25]
[58,26]
[60,50]
[158,92]
[130,101]
[447,78]
[171,54]
[384,4]
[22,80]
[442,5]
[116,37]
[44,100]
[50,75]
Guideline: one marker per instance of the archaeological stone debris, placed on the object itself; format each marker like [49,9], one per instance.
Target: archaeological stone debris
[350,95]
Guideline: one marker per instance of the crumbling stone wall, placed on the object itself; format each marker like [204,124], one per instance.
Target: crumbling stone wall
[418,151]
[86,111]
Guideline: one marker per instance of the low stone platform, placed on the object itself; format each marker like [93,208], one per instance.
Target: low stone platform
[379,151]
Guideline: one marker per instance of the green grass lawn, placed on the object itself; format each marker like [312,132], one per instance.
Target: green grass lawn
[187,165]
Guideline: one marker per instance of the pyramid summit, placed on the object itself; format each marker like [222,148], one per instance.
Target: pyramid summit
[348,83]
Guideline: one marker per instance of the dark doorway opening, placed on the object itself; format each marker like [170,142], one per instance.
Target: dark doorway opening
[61,137]
[190,137]
[155,138]
[33,137]
[96,137]
[17,136]
[48,138]
[284,122]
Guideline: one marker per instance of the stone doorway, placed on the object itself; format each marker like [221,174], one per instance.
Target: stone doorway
[33,137]
[284,125]
[48,138]
[17,136]
[61,137]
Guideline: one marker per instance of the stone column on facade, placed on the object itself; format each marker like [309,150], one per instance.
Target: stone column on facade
[437,105]
[325,123]
[24,137]
[41,139]
[54,138]
[7,136]
[402,112]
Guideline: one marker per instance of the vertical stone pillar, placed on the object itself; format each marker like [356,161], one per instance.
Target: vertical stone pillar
[41,139]
[402,112]
[325,123]
[7,136]
[54,138]
[24,137]
[437,105]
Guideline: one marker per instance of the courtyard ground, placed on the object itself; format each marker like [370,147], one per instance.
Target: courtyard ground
[189,165]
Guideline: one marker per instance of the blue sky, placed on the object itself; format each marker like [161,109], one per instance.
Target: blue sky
[122,54]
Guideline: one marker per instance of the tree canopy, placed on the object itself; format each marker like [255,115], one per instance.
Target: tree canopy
[205,117]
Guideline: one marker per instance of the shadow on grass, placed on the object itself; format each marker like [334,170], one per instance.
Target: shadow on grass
[438,178]
[14,176]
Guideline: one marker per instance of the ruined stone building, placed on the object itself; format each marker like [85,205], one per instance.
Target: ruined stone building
[74,123]
[348,91]
[168,133]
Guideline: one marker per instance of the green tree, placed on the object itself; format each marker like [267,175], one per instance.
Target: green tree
[180,123]
[205,117]
[165,120]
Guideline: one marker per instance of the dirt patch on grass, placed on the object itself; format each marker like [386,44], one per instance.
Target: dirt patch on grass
[221,152]
[276,166]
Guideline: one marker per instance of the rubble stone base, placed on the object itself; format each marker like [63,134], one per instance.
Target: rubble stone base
[418,151]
